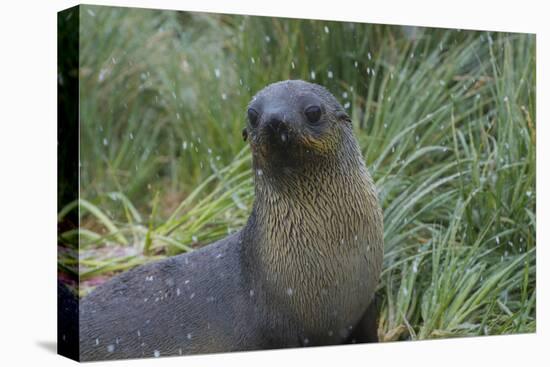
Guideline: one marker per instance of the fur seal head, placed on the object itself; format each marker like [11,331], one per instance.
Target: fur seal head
[293,124]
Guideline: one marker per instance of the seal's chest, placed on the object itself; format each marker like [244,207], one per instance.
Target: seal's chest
[326,290]
[330,313]
[316,257]
[313,260]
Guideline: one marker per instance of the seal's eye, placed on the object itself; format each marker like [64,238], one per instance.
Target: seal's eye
[253,117]
[313,114]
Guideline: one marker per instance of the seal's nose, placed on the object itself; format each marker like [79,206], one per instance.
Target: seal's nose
[275,121]
[276,127]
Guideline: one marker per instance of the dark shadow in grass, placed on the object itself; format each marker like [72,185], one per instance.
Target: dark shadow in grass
[48,345]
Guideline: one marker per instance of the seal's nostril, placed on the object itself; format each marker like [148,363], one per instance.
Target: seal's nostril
[276,128]
[275,123]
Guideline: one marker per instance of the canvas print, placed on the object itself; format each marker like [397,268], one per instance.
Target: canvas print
[237,183]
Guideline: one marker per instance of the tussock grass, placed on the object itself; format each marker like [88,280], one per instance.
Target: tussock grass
[445,119]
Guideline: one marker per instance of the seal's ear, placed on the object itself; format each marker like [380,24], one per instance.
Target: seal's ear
[245,134]
[342,116]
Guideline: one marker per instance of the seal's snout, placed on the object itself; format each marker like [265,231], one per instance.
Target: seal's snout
[276,128]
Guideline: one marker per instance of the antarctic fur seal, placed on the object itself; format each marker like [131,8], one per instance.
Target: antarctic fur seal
[301,272]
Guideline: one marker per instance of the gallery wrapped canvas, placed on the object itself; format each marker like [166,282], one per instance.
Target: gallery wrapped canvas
[236,183]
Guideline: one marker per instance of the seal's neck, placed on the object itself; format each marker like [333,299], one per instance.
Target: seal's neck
[323,203]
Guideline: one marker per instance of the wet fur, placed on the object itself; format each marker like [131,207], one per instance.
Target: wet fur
[302,272]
